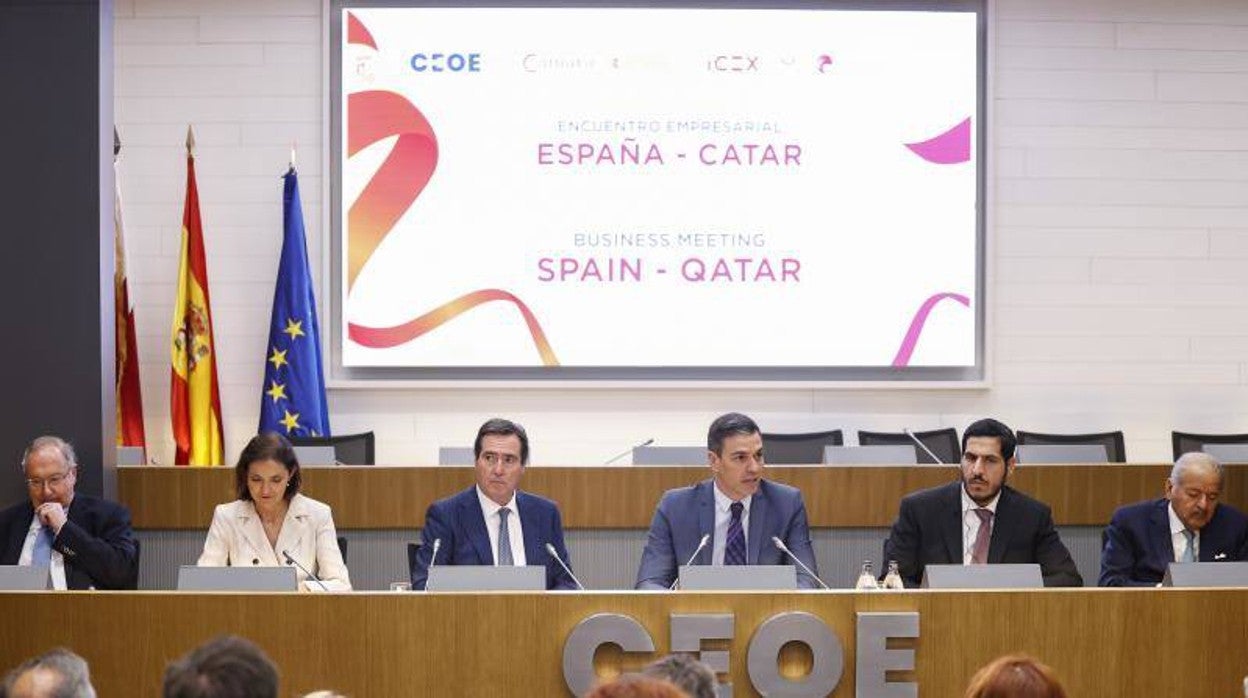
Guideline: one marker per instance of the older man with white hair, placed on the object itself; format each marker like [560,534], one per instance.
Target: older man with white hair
[84,541]
[1187,525]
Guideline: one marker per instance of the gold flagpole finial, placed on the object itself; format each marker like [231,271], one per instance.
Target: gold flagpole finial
[292,155]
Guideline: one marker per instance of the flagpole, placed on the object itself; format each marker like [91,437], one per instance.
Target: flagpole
[190,141]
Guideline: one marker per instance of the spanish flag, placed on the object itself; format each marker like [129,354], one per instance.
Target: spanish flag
[195,401]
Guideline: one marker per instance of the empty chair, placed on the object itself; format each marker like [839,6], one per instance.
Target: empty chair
[342,548]
[669,455]
[316,455]
[1228,453]
[1184,442]
[942,442]
[1115,449]
[896,454]
[349,449]
[799,449]
[456,455]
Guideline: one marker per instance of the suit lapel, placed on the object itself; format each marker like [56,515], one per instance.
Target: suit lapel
[473,519]
[253,530]
[1003,523]
[528,528]
[951,523]
[706,522]
[760,509]
[1159,534]
[18,528]
[294,528]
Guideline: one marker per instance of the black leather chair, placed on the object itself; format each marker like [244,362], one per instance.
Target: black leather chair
[1184,442]
[342,548]
[943,442]
[1115,448]
[413,549]
[349,449]
[799,449]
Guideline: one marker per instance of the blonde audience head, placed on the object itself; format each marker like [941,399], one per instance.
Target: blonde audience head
[1015,676]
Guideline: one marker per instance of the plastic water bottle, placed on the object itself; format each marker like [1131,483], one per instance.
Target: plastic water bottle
[892,580]
[866,578]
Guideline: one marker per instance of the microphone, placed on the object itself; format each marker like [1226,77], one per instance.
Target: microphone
[628,450]
[706,538]
[550,548]
[292,561]
[785,549]
[437,544]
[923,446]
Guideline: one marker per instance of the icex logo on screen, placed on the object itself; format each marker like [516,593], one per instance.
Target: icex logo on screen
[446,62]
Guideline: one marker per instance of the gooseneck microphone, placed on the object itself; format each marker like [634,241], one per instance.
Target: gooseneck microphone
[923,446]
[627,451]
[550,548]
[292,561]
[433,558]
[706,538]
[785,549]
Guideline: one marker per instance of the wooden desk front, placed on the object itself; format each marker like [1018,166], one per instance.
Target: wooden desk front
[1102,642]
[382,497]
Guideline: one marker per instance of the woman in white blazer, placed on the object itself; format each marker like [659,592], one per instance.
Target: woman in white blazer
[270,519]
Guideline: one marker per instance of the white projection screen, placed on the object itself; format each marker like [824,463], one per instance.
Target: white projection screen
[751,192]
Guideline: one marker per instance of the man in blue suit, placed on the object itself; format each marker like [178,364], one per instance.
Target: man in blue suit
[1187,525]
[729,519]
[492,522]
[84,541]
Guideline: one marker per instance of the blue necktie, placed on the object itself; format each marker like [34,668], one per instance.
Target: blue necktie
[1189,552]
[504,540]
[734,548]
[41,556]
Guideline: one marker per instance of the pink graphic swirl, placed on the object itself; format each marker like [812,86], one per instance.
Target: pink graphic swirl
[949,148]
[916,326]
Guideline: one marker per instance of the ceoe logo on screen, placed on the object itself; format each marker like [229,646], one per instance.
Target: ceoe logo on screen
[446,62]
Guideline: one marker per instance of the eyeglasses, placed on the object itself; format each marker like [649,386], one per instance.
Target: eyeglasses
[54,481]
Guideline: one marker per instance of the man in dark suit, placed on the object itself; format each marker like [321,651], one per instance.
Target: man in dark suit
[493,523]
[736,511]
[86,542]
[1187,525]
[979,519]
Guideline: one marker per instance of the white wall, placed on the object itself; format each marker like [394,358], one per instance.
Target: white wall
[1118,246]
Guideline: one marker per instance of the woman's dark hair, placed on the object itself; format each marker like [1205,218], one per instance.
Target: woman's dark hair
[267,446]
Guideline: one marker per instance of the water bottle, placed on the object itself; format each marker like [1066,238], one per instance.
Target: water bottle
[866,579]
[892,580]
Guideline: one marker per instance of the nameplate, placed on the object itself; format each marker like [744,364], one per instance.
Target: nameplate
[738,577]
[1025,576]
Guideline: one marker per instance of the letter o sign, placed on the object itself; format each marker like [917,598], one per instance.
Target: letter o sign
[796,626]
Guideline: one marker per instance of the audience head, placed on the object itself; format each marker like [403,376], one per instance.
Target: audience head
[987,459]
[686,673]
[636,686]
[55,674]
[501,452]
[735,451]
[227,667]
[1193,488]
[1015,676]
[50,469]
[267,470]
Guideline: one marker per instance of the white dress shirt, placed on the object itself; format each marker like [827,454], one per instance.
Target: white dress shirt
[971,523]
[1178,540]
[57,562]
[490,509]
[723,517]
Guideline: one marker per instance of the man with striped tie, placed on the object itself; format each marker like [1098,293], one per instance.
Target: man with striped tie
[731,518]
[84,541]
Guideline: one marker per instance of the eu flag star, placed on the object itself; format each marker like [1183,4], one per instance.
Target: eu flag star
[294,328]
[290,421]
[277,391]
[278,358]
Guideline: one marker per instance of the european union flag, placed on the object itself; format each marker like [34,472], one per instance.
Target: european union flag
[293,398]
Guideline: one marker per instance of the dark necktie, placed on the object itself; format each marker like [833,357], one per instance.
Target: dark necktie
[979,554]
[734,548]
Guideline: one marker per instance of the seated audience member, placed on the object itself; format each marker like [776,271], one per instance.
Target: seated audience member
[226,667]
[270,518]
[739,511]
[55,674]
[686,673]
[1186,525]
[1015,676]
[636,686]
[86,542]
[493,522]
[979,519]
